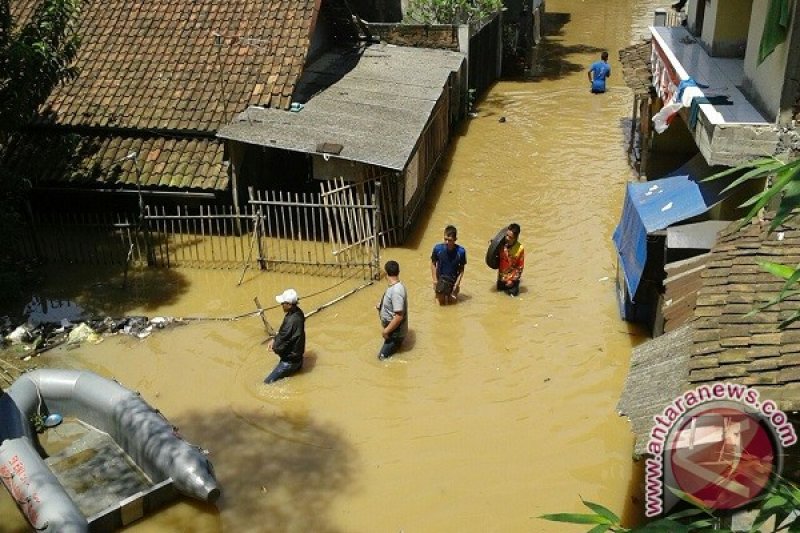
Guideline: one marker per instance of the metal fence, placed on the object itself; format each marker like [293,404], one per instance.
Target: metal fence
[83,238]
[206,237]
[334,232]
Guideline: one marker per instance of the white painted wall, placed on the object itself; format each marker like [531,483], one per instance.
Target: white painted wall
[709,23]
[763,83]
[691,16]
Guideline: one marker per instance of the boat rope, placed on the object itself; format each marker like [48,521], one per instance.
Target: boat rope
[276,306]
[39,394]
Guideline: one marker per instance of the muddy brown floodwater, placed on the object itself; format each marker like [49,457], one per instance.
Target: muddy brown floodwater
[499,409]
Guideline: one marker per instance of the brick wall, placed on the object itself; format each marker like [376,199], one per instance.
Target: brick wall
[418,35]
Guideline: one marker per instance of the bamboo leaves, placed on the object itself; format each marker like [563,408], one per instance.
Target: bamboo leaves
[603,518]
[776,512]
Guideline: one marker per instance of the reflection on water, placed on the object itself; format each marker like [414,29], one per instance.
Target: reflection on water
[498,409]
[39,310]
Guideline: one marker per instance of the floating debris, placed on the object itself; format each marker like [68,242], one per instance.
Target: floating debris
[30,340]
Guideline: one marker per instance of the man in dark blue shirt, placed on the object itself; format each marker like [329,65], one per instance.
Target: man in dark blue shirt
[448,260]
[598,72]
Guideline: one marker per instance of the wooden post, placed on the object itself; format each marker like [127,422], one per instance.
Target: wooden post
[645,138]
[148,244]
[375,272]
[633,125]
[257,220]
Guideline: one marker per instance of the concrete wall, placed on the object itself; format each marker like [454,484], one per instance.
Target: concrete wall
[732,24]
[734,144]
[725,27]
[707,30]
[763,84]
[692,24]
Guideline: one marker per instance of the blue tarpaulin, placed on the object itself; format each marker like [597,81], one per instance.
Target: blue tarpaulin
[653,206]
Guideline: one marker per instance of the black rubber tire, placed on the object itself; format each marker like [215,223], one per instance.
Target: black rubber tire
[493,251]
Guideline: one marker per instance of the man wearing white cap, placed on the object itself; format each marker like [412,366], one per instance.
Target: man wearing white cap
[290,342]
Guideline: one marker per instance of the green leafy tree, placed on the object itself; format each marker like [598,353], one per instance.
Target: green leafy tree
[35,55]
[776,512]
[452,11]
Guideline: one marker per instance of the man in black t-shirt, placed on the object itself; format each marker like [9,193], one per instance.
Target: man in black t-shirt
[290,342]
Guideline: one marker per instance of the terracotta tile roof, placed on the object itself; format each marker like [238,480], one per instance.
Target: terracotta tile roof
[181,65]
[84,160]
[164,68]
[728,344]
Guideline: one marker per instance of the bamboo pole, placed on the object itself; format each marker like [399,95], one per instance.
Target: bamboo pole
[307,230]
[172,238]
[292,240]
[283,227]
[338,298]
[219,235]
[195,240]
[376,220]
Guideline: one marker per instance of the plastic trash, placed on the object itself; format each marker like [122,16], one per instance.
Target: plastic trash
[19,335]
[53,420]
[81,333]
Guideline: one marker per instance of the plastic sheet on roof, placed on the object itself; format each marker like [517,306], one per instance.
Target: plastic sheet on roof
[655,205]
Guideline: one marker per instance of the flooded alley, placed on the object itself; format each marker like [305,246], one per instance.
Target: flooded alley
[496,411]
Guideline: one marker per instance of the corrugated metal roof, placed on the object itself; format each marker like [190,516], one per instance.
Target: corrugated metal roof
[376,103]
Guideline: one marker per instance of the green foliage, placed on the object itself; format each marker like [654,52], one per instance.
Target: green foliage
[452,11]
[786,182]
[34,57]
[785,187]
[37,421]
[775,510]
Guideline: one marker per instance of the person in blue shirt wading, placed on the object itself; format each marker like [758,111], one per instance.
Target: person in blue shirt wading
[598,72]
[448,260]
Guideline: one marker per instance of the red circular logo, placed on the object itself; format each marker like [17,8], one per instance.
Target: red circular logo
[721,455]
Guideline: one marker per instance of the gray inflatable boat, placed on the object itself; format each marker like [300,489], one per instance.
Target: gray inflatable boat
[117,458]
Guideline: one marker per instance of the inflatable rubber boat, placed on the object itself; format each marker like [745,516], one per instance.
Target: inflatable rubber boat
[117,457]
